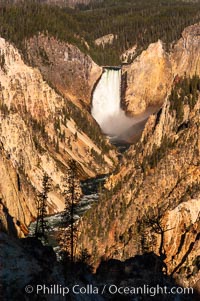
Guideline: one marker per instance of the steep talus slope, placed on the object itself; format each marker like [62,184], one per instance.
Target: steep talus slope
[150,77]
[38,134]
[157,181]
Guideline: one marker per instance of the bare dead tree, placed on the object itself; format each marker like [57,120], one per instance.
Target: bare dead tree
[154,219]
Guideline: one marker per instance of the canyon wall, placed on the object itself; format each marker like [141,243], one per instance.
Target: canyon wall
[40,130]
[150,77]
[65,67]
[185,54]
[44,122]
[145,83]
[153,203]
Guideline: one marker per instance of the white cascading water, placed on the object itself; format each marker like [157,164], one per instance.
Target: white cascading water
[106,108]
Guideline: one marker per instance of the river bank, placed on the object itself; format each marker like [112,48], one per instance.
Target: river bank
[90,195]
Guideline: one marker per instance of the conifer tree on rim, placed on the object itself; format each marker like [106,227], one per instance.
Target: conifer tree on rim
[41,223]
[72,195]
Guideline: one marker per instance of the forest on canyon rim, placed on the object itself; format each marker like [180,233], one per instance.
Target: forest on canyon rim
[138,22]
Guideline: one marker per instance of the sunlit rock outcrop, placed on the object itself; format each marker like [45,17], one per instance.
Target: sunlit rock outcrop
[147,80]
[185,55]
[65,67]
[150,77]
[158,179]
[38,134]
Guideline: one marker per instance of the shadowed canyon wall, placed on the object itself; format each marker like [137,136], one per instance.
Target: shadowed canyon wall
[159,188]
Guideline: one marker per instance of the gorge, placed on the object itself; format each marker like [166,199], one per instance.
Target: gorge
[65,98]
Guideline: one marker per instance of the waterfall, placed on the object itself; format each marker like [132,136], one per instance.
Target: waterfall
[106,101]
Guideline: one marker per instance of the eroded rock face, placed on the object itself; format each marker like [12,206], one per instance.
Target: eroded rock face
[185,55]
[184,228]
[69,70]
[156,188]
[17,199]
[37,134]
[107,39]
[148,79]
[128,55]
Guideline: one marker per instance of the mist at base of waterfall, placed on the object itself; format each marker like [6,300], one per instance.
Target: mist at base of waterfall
[116,124]
[107,111]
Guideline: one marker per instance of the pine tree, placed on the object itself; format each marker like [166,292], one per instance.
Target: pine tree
[72,194]
[41,223]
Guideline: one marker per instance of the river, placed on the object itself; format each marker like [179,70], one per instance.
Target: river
[55,222]
[90,187]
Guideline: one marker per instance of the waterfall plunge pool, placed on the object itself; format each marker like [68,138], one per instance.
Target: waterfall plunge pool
[121,129]
[107,111]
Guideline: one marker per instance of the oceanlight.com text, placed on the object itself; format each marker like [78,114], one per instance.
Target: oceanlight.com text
[112,289]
